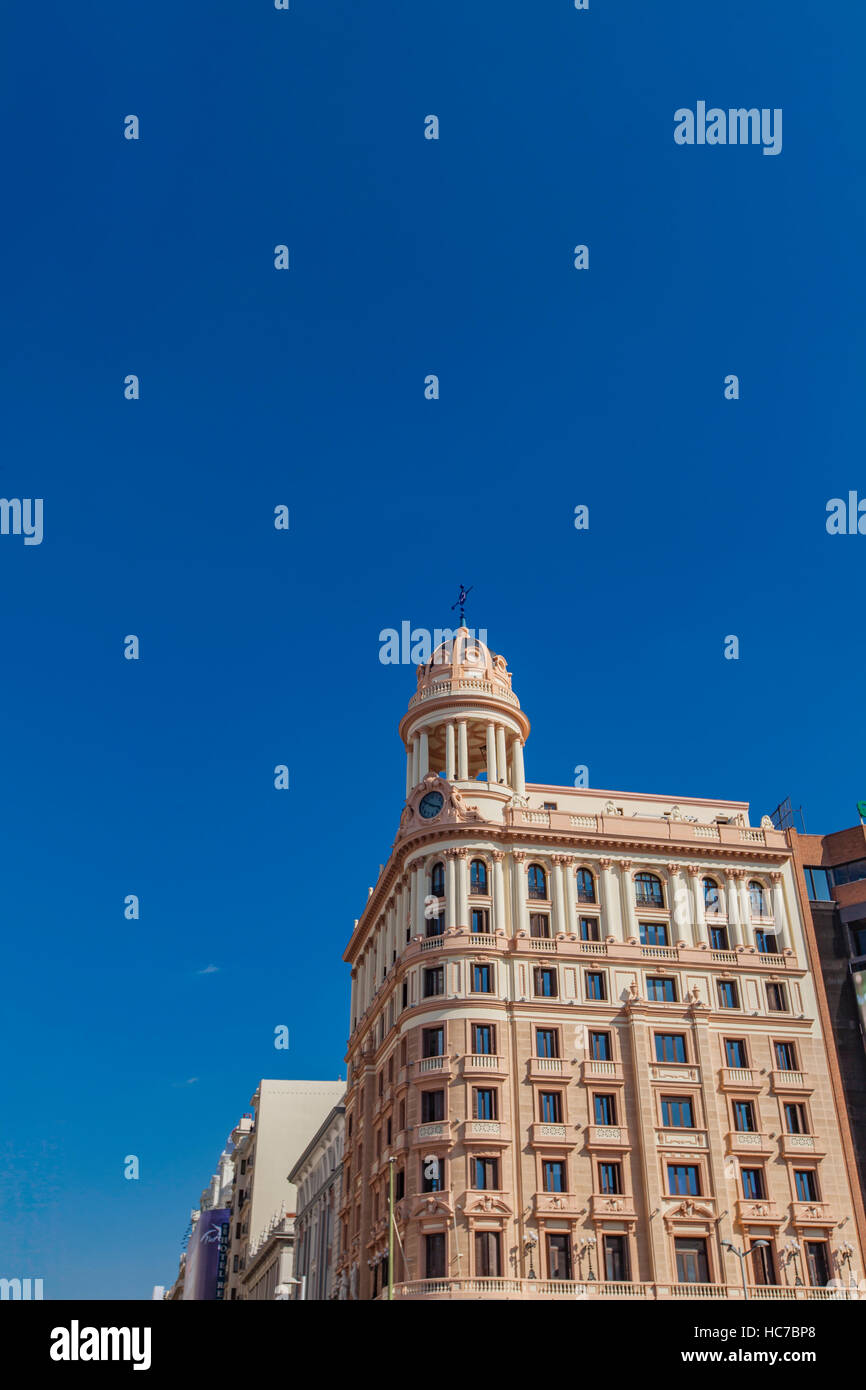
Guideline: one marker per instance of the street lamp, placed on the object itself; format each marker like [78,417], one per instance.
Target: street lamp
[792,1251]
[530,1245]
[741,1256]
[588,1245]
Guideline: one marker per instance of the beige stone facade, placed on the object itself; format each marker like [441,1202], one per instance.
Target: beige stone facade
[586,1035]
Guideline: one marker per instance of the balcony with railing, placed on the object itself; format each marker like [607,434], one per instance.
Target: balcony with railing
[801,1145]
[812,1214]
[485,1132]
[788,1081]
[592,1069]
[739,1079]
[478,1064]
[578,1291]
[607,1137]
[550,1068]
[749,1143]
[549,1134]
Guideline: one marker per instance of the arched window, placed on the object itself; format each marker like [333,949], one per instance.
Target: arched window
[585,886]
[648,891]
[537,881]
[756,899]
[712,898]
[478,877]
[437,881]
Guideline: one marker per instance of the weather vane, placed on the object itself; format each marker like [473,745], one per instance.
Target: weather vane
[461,602]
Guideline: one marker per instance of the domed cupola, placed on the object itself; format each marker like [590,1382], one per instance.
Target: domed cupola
[464,720]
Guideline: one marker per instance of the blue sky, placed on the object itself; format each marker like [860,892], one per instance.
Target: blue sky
[707,517]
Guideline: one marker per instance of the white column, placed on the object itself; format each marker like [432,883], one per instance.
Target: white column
[734,934]
[491,754]
[570,894]
[419,922]
[409,783]
[610,901]
[699,920]
[559,924]
[630,925]
[501,759]
[678,906]
[462,752]
[745,907]
[499,920]
[353,997]
[519,775]
[424,764]
[413,889]
[521,913]
[780,915]
[416,760]
[450,890]
[462,870]
[450,751]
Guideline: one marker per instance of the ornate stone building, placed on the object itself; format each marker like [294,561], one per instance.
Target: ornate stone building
[585,1033]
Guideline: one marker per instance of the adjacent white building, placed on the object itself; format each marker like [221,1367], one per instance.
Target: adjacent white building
[317,1175]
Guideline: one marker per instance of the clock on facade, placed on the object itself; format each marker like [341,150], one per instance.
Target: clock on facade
[430,805]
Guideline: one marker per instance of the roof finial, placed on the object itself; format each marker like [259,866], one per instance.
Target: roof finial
[461,602]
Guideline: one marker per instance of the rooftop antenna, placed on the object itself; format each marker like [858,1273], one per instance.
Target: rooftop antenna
[461,602]
[784,816]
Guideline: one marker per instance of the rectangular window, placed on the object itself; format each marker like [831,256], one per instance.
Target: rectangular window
[559,1257]
[818,885]
[766,943]
[806,1183]
[744,1117]
[480,919]
[617,1269]
[551,1107]
[482,979]
[595,985]
[554,1175]
[435,926]
[795,1119]
[544,979]
[589,929]
[486,1174]
[432,1106]
[399,1184]
[547,1042]
[670,1047]
[485,1103]
[487,1255]
[539,924]
[719,938]
[662,989]
[434,1256]
[851,872]
[604,1109]
[692,1263]
[777,998]
[786,1056]
[729,996]
[433,1042]
[483,1039]
[677,1112]
[653,933]
[599,1047]
[817,1263]
[610,1179]
[434,981]
[753,1183]
[684,1180]
[858,938]
[735,1053]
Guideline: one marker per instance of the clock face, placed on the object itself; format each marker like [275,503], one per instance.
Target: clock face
[431,805]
